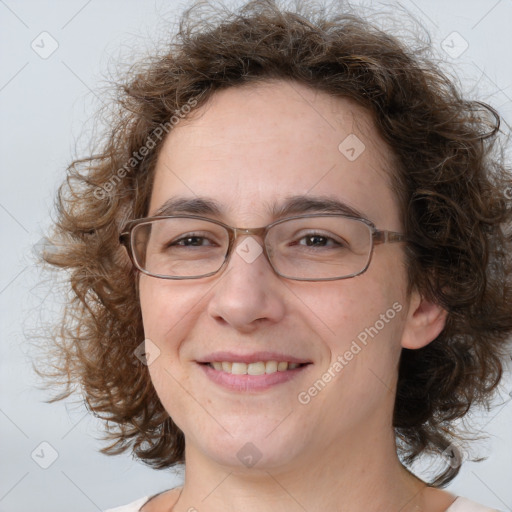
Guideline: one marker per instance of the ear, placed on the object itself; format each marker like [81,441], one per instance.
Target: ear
[425,321]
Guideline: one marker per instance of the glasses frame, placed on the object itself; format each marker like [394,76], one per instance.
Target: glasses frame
[377,237]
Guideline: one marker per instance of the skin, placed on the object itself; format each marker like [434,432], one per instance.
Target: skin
[247,148]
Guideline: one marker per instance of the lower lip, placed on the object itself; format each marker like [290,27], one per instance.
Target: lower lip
[250,382]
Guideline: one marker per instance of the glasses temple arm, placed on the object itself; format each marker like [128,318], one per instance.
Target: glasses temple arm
[382,237]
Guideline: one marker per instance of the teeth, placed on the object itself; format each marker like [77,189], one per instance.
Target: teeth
[256,368]
[259,368]
[239,369]
[271,367]
[282,366]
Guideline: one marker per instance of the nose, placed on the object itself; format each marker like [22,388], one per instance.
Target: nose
[248,293]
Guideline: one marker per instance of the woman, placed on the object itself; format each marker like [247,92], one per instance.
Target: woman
[307,225]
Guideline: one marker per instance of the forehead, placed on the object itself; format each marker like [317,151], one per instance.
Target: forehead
[251,147]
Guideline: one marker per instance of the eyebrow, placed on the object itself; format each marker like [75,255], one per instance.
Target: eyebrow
[293,205]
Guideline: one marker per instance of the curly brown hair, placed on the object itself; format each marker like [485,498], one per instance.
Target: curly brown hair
[451,182]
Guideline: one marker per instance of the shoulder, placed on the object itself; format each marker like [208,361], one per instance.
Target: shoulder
[164,498]
[134,506]
[464,505]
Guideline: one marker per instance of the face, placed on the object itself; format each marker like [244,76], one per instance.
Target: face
[252,148]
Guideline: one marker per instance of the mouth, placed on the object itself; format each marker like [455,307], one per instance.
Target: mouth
[256,368]
[254,372]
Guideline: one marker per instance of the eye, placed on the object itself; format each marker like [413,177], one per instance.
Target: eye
[316,239]
[191,240]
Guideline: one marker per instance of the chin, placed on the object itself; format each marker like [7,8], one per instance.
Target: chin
[253,451]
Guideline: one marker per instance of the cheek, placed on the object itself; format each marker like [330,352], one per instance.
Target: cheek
[166,311]
[363,321]
[166,306]
[152,309]
[346,308]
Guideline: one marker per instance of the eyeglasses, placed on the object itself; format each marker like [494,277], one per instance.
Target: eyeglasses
[316,247]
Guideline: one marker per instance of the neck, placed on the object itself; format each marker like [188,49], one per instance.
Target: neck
[361,474]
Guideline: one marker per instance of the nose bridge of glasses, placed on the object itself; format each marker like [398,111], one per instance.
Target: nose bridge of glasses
[236,233]
[241,232]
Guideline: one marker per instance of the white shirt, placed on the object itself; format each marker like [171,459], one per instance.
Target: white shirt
[459,505]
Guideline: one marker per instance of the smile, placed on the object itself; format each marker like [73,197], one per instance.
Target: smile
[253,377]
[258,368]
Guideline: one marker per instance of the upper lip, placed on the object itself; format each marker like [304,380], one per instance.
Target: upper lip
[253,357]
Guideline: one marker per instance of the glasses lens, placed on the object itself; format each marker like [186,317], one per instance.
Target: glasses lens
[179,247]
[319,247]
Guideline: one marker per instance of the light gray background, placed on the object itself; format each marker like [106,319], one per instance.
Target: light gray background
[44,104]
